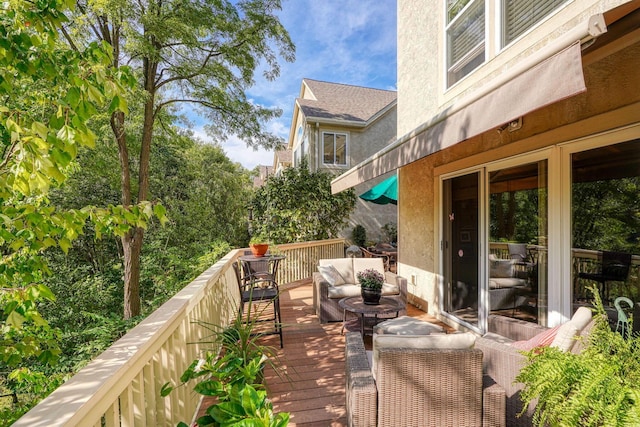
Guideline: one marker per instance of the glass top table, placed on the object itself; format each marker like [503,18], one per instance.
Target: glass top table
[388,305]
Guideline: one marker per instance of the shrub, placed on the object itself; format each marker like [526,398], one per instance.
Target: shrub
[359,235]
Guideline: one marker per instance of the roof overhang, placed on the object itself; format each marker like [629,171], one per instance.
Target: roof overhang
[534,80]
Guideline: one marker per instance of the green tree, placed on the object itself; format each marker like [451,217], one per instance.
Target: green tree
[298,206]
[203,54]
[48,94]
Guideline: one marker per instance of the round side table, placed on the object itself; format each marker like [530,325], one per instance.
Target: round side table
[388,305]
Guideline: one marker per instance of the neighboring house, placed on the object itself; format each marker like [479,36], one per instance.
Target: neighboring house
[263,173]
[518,121]
[336,126]
[282,160]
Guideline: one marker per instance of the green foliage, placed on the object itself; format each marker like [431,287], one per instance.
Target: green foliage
[606,215]
[598,387]
[233,373]
[390,230]
[514,216]
[201,54]
[48,94]
[298,206]
[359,235]
[29,387]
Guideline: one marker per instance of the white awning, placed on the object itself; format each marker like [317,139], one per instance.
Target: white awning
[550,75]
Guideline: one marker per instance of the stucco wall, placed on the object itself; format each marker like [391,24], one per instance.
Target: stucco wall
[611,101]
[421,51]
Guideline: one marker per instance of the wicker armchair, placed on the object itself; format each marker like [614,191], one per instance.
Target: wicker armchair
[420,387]
[503,362]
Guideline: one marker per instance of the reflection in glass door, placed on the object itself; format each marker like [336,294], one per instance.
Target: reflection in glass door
[518,241]
[460,247]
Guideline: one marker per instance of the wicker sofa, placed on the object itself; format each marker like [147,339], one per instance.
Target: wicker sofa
[420,385]
[503,360]
[327,294]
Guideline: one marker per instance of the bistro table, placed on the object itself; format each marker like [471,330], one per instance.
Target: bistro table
[260,268]
[388,305]
[258,284]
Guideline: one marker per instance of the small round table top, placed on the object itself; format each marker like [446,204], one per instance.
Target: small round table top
[357,305]
[251,258]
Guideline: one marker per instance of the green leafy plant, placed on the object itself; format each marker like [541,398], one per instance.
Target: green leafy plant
[298,206]
[260,238]
[234,375]
[370,279]
[390,230]
[359,235]
[598,387]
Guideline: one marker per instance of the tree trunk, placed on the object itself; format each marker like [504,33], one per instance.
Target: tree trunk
[132,244]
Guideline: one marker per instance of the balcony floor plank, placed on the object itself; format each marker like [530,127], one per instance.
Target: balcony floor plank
[313,387]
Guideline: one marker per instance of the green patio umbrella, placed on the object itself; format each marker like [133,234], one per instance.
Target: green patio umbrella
[384,192]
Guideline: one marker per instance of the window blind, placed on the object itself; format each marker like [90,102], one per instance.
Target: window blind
[520,15]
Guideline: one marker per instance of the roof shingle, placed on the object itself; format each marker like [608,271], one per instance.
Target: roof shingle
[344,102]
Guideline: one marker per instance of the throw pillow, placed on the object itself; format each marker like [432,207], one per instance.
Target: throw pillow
[543,339]
[331,275]
[566,336]
[500,268]
[581,317]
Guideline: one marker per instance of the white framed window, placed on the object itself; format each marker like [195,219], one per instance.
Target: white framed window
[518,16]
[466,33]
[299,152]
[334,148]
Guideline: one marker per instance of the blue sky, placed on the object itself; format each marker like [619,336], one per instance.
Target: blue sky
[341,41]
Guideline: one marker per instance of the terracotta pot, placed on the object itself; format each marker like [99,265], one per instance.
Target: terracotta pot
[259,249]
[370,296]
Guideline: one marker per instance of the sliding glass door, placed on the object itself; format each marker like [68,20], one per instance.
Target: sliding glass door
[518,224]
[460,248]
[496,263]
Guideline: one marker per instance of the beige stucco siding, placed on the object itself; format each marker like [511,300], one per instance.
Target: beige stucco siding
[421,54]
[612,100]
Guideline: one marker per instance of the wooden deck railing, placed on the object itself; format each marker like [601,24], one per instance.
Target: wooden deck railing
[121,387]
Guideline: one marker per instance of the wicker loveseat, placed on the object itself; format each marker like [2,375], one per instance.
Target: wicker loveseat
[433,380]
[327,291]
[503,359]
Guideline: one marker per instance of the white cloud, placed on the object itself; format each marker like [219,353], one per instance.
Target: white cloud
[237,150]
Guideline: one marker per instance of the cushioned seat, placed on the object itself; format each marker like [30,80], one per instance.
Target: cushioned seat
[504,285]
[507,338]
[336,279]
[405,325]
[427,380]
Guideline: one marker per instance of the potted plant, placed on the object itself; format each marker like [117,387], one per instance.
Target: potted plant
[259,244]
[234,375]
[371,282]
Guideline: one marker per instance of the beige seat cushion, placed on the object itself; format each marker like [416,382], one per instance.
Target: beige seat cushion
[344,291]
[405,325]
[351,290]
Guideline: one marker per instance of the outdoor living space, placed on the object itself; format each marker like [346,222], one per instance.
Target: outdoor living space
[313,387]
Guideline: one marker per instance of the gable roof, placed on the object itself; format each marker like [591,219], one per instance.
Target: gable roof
[336,101]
